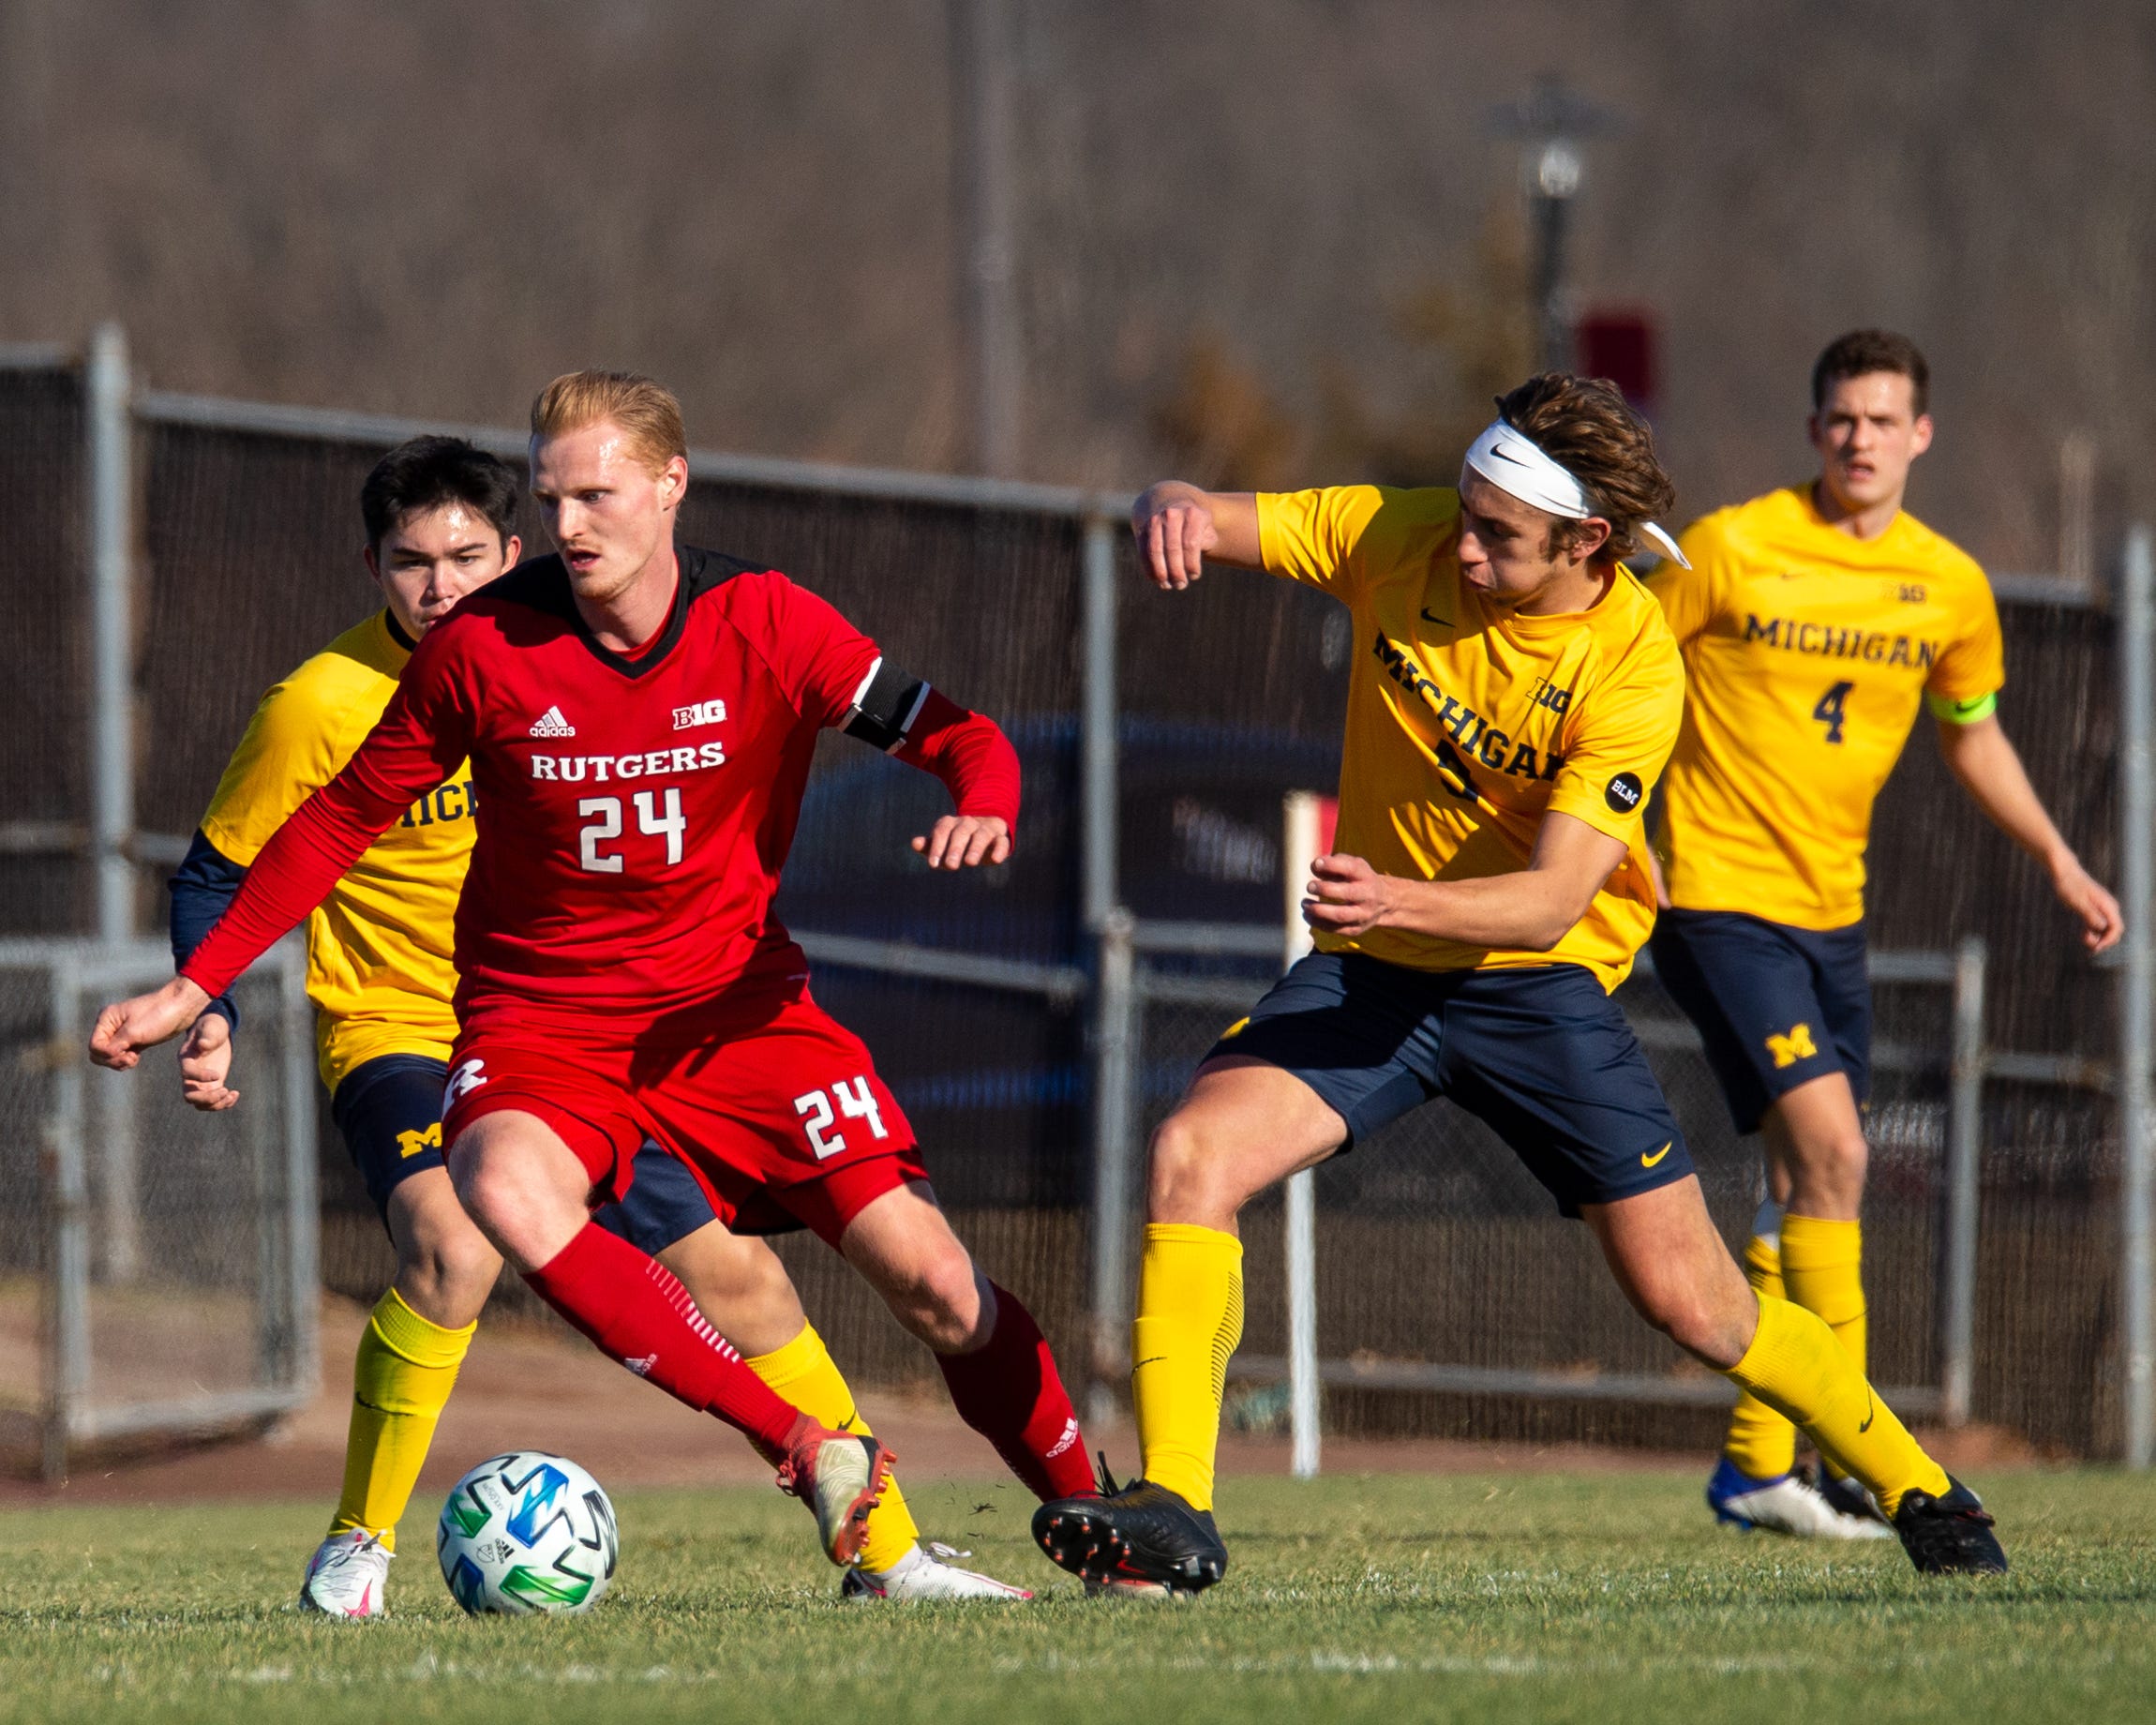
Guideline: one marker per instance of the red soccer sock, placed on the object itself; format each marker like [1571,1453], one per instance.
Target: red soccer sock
[1012,1395]
[636,1312]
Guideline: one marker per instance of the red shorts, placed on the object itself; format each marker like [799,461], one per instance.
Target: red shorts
[774,1105]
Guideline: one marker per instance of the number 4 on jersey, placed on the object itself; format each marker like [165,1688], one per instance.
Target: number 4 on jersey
[1829,710]
[856,1101]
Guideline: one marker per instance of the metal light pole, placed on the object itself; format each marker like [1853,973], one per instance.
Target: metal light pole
[1551,122]
[982,104]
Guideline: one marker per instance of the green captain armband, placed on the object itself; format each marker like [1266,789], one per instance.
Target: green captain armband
[1970,712]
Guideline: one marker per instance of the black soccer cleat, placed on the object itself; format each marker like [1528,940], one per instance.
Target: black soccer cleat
[1140,1534]
[1845,1496]
[1949,1535]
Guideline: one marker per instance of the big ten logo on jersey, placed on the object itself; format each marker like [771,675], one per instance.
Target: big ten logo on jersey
[819,1120]
[1548,694]
[445,802]
[699,712]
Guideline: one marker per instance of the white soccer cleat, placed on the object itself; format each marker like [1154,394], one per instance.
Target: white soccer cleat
[348,1576]
[1791,1505]
[841,1476]
[927,1574]
[1126,1587]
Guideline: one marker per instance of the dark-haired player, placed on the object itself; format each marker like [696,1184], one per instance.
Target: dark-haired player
[640,721]
[1815,622]
[1514,696]
[439,519]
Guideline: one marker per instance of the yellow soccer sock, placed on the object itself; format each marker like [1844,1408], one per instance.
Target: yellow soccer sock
[804,1373]
[401,1382]
[1822,1265]
[1760,1442]
[1190,1318]
[1795,1366]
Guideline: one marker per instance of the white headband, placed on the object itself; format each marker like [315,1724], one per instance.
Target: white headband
[1518,467]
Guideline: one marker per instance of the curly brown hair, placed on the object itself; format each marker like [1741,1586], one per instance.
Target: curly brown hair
[1587,427]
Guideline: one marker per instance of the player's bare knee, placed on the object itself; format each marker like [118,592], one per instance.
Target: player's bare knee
[447,1280]
[465,1265]
[1827,1174]
[509,1202]
[1713,1331]
[943,1300]
[1190,1175]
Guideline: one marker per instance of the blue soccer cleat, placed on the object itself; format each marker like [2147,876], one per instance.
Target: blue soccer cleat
[1788,1503]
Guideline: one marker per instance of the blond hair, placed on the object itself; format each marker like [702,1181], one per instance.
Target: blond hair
[643,408]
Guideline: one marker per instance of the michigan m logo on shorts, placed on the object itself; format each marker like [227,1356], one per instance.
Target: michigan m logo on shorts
[1797,1045]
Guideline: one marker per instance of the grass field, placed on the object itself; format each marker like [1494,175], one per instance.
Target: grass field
[1497,1598]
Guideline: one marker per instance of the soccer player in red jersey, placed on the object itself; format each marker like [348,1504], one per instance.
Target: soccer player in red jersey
[640,719]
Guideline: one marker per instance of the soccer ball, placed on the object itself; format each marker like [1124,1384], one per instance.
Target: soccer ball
[527,1532]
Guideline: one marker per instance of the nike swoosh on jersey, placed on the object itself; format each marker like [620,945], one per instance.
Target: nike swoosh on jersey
[1648,1161]
[1442,622]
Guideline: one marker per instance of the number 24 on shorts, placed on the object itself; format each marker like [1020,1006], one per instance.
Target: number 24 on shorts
[856,1102]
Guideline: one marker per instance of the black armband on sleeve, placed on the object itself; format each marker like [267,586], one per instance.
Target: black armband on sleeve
[884,707]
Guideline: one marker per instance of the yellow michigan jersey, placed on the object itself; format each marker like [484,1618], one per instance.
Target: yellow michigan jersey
[1810,654]
[379,948]
[1467,723]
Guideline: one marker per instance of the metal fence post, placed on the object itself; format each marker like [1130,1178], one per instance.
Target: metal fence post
[1299,849]
[68,1277]
[112,712]
[111,630]
[2136,1011]
[1115,1146]
[1964,1149]
[304,1267]
[1098,768]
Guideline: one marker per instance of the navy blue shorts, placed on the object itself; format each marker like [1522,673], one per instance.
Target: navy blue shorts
[1543,1056]
[1777,1006]
[389,1111]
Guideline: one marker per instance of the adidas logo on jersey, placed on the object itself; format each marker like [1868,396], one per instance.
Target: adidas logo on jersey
[552,724]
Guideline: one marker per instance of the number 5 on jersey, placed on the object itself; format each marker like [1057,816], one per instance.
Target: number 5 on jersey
[602,818]
[856,1102]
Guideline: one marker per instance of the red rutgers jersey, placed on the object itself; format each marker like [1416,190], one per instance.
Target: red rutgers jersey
[634,812]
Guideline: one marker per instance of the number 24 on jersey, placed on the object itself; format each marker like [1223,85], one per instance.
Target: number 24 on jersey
[602,818]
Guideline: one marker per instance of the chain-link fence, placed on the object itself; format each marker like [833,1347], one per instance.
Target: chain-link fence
[158,1273]
[1158,735]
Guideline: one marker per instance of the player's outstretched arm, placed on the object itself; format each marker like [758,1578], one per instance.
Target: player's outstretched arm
[1989,767]
[127,1028]
[1178,526]
[975,761]
[1529,909]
